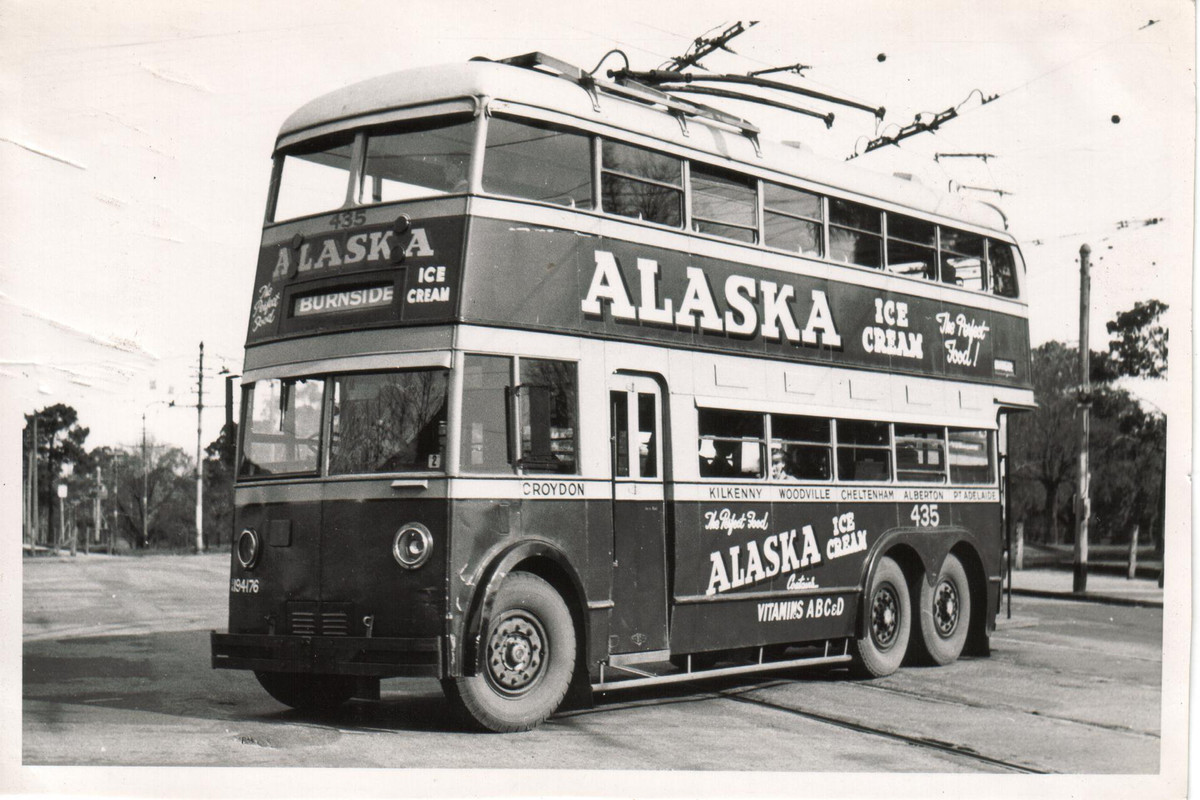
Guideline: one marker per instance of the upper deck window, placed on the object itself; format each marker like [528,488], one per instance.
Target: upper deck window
[910,247]
[854,233]
[315,177]
[431,158]
[388,422]
[641,184]
[962,259]
[793,220]
[1002,261]
[724,204]
[538,163]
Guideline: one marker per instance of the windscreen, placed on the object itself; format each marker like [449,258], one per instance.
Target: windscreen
[388,422]
[315,177]
[425,158]
[282,427]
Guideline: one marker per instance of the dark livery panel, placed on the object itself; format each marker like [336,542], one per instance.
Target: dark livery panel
[437,269]
[754,569]
[326,571]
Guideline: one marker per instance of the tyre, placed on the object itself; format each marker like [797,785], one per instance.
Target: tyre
[889,620]
[528,659]
[307,692]
[945,614]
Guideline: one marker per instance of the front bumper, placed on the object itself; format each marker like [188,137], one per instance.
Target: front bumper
[329,655]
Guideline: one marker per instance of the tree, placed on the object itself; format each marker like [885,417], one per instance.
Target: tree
[219,470]
[1138,347]
[59,443]
[1128,447]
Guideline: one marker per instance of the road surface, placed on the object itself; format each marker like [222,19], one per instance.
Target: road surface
[116,672]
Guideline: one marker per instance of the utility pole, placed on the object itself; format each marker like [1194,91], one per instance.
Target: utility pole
[37,512]
[200,456]
[1083,508]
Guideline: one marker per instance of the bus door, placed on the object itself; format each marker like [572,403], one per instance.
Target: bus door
[639,592]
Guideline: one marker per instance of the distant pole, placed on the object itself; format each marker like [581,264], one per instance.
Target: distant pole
[1084,509]
[145,486]
[1133,543]
[96,514]
[112,533]
[200,456]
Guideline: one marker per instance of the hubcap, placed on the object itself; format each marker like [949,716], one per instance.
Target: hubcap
[945,608]
[885,617]
[516,652]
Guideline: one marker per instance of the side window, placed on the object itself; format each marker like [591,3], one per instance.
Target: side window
[547,397]
[724,204]
[641,184]
[962,259]
[1003,267]
[731,444]
[801,449]
[855,233]
[920,453]
[864,450]
[971,457]
[486,383]
[538,163]
[910,247]
[793,220]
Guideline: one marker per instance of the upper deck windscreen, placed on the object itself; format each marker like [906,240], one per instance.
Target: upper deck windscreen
[422,159]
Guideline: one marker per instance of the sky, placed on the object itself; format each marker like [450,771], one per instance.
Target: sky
[135,143]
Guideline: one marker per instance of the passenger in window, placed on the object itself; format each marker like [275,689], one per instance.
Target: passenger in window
[779,465]
[722,464]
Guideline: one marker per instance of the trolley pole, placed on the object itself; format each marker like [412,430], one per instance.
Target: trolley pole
[1083,508]
[200,456]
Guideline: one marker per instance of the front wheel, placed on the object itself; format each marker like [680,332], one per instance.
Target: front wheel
[528,659]
[889,620]
[307,692]
[945,613]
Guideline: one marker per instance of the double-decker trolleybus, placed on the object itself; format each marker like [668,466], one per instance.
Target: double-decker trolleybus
[557,385]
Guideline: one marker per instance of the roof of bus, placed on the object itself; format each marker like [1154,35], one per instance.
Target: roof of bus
[534,88]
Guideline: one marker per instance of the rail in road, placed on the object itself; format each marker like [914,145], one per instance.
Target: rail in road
[116,657]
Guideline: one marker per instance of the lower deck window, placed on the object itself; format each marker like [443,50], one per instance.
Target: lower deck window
[971,457]
[731,444]
[920,453]
[864,450]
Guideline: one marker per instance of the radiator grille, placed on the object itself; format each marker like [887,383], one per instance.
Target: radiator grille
[308,618]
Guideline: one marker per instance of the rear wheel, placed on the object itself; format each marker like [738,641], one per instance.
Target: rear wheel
[528,659]
[307,692]
[889,620]
[945,613]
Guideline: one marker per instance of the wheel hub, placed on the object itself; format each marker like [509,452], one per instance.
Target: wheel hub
[516,652]
[885,616]
[945,608]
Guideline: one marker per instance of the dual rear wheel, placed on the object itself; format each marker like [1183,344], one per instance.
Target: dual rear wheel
[942,619]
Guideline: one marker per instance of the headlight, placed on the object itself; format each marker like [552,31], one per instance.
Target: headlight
[412,546]
[247,548]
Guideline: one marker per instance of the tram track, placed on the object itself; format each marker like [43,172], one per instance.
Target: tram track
[916,741]
[743,695]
